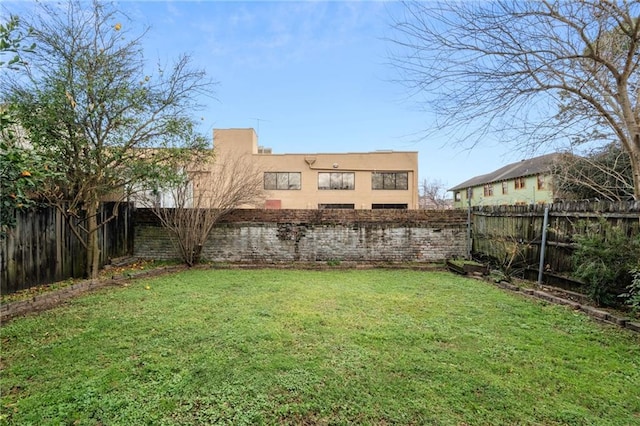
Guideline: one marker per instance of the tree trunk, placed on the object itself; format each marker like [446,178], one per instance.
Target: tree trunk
[635,172]
[93,248]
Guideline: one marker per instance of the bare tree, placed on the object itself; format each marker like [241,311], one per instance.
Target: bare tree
[433,194]
[529,72]
[604,173]
[203,197]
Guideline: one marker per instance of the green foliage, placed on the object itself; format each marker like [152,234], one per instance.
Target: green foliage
[632,295]
[11,43]
[315,347]
[21,171]
[91,108]
[18,178]
[604,257]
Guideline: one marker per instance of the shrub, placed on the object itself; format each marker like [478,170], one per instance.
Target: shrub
[604,258]
[632,296]
[333,262]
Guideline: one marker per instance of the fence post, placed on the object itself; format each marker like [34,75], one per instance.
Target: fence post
[543,244]
[469,193]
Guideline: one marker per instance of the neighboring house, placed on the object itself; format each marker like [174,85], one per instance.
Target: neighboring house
[524,182]
[368,180]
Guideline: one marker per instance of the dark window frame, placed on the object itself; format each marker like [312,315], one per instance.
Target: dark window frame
[280,184]
[342,206]
[390,181]
[336,181]
[391,206]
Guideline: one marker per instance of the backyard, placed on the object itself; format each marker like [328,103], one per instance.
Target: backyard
[270,346]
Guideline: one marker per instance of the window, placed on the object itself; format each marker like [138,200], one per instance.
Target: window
[458,196]
[505,187]
[542,184]
[282,180]
[519,183]
[336,206]
[389,206]
[336,180]
[391,180]
[488,190]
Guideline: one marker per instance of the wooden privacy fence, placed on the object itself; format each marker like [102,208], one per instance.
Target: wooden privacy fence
[503,231]
[42,249]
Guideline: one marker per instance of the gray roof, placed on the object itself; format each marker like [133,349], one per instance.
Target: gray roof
[523,168]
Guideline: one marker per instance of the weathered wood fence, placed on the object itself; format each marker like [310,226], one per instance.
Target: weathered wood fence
[42,248]
[501,231]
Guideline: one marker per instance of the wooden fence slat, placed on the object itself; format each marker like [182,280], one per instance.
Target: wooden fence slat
[42,249]
[492,225]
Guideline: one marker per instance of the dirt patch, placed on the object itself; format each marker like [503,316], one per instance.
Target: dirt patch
[41,298]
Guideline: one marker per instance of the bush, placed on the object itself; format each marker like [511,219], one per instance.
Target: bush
[632,295]
[604,259]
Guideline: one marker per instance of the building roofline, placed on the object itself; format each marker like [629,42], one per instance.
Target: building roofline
[344,153]
[523,168]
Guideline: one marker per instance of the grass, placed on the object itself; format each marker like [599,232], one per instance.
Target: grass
[316,347]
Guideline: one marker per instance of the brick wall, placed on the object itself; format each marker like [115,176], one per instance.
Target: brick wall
[272,236]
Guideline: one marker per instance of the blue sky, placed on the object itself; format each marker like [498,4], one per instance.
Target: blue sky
[311,76]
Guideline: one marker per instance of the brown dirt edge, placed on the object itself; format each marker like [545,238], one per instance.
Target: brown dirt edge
[574,301]
[54,298]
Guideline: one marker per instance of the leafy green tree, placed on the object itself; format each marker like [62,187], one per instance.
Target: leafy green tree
[528,72]
[92,106]
[20,170]
[21,173]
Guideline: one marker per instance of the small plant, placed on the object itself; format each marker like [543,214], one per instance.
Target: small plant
[508,256]
[333,262]
[603,258]
[632,296]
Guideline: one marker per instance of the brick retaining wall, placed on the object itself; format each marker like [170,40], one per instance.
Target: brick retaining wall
[273,236]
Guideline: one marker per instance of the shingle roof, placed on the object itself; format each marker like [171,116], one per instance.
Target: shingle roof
[523,168]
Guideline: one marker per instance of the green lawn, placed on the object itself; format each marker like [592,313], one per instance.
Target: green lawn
[316,347]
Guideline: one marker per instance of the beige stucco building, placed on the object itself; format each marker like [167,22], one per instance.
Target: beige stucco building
[367,180]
